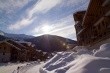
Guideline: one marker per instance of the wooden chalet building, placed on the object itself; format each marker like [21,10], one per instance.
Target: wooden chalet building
[9,52]
[93,26]
[32,53]
[23,54]
[13,51]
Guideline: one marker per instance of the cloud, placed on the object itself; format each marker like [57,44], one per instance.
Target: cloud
[73,3]
[10,5]
[66,31]
[63,27]
[20,24]
[41,6]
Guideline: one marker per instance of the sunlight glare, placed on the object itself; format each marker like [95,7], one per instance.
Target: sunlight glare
[46,29]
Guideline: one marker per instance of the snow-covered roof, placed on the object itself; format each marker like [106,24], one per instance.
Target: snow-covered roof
[24,42]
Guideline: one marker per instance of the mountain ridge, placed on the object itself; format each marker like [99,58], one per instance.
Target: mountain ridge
[47,42]
[16,36]
[50,43]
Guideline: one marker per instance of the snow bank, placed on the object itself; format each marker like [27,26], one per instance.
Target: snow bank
[89,64]
[81,61]
[59,60]
[104,51]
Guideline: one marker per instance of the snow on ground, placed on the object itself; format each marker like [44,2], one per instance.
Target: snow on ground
[27,67]
[104,51]
[35,69]
[9,68]
[82,61]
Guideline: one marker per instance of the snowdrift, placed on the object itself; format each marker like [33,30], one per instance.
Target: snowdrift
[81,61]
[104,51]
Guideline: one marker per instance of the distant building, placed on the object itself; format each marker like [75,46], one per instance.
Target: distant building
[23,53]
[9,52]
[93,26]
[13,51]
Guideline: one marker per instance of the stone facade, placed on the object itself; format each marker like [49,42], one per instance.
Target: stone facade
[94,23]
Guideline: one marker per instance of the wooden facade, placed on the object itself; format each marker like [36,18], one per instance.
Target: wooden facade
[13,51]
[31,52]
[93,25]
[9,52]
[23,50]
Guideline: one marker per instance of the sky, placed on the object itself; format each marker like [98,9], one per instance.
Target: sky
[39,17]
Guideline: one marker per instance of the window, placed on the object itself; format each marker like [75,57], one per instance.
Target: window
[3,53]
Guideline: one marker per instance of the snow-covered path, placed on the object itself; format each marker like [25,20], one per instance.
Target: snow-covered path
[10,68]
[28,67]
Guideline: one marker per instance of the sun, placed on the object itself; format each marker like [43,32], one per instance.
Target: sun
[46,29]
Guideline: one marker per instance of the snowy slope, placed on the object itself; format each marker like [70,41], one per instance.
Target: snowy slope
[82,61]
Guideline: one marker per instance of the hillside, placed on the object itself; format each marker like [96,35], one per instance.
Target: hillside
[15,36]
[47,43]
[51,43]
[3,38]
